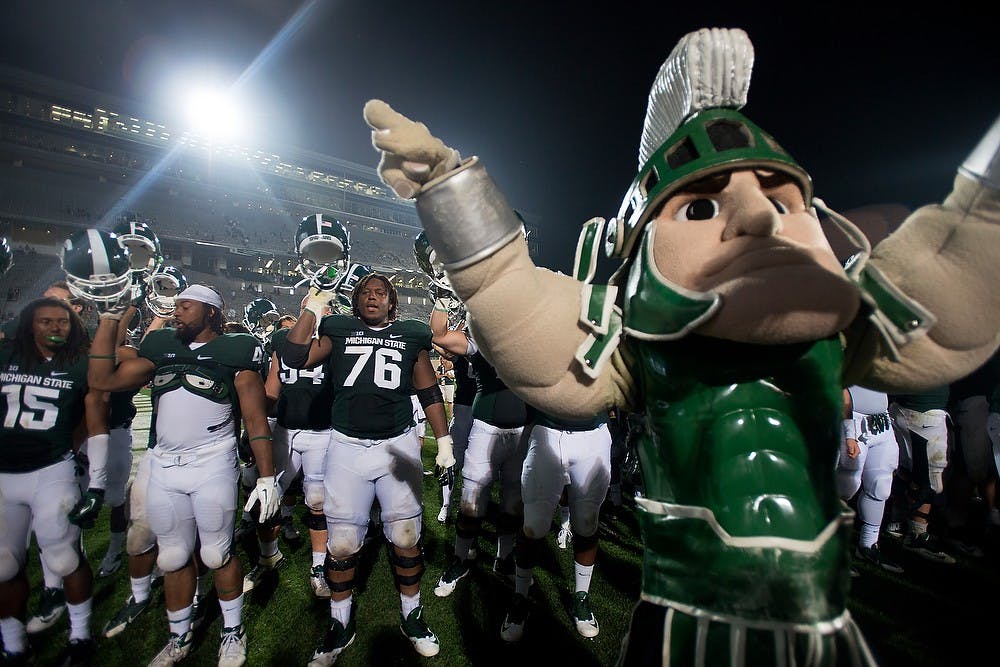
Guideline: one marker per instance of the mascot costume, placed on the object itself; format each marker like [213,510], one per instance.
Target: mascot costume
[733,328]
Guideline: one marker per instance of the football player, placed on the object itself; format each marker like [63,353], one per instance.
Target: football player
[43,376]
[460,423]
[375,363]
[203,383]
[303,429]
[495,451]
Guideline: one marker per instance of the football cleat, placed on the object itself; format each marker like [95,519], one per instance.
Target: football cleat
[109,565]
[233,647]
[178,647]
[443,515]
[874,556]
[51,606]
[512,629]
[565,536]
[128,613]
[80,652]
[317,581]
[449,580]
[264,567]
[583,616]
[927,546]
[415,628]
[336,640]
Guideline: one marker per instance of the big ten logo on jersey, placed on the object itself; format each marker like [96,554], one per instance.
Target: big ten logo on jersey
[289,375]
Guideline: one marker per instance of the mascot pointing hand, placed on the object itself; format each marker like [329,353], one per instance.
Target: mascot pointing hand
[733,328]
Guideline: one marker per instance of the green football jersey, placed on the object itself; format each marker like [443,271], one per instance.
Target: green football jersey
[372,374]
[306,393]
[495,404]
[208,371]
[42,405]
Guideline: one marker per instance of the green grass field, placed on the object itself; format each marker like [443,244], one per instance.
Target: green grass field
[930,615]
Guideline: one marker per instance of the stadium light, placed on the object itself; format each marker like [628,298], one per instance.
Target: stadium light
[214,114]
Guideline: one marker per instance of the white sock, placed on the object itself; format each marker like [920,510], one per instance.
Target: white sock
[319,557]
[14,635]
[340,610]
[115,542]
[869,534]
[445,495]
[79,619]
[564,515]
[408,603]
[584,573]
[232,611]
[268,549]
[180,620]
[140,587]
[505,545]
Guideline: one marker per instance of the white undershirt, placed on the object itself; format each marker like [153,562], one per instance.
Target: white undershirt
[183,418]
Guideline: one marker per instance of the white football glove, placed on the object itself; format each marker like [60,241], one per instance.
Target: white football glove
[269,496]
[318,301]
[444,463]
[411,155]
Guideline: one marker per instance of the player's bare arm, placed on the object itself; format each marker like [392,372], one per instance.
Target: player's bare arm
[452,341]
[272,385]
[103,375]
[253,406]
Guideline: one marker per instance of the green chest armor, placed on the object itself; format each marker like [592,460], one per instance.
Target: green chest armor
[741,516]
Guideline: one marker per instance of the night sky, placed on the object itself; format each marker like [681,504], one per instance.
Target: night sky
[879,106]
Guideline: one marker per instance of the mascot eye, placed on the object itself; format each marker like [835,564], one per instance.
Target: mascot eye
[697,209]
[779,205]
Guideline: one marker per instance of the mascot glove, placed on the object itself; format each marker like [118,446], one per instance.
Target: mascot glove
[318,300]
[269,495]
[87,508]
[411,155]
[447,304]
[444,464]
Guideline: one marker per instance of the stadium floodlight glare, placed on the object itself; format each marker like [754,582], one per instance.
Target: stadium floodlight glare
[214,114]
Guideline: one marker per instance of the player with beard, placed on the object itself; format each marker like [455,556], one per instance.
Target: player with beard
[204,383]
[43,376]
[375,363]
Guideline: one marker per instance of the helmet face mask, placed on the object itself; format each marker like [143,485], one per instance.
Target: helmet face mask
[97,267]
[428,262]
[323,247]
[164,286]
[6,256]
[143,246]
[260,317]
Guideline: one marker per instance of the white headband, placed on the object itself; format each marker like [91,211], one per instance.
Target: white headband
[203,294]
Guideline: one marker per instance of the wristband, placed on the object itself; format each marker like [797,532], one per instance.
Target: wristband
[100,356]
[849,429]
[262,437]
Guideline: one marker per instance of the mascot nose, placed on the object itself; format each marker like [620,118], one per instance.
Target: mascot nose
[755,215]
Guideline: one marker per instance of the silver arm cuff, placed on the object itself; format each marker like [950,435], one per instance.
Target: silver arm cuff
[465,216]
[983,164]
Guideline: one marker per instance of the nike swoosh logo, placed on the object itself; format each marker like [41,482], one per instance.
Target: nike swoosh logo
[55,373]
[395,335]
[201,358]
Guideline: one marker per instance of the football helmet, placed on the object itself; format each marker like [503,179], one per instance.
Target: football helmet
[428,262]
[260,317]
[6,256]
[164,285]
[97,267]
[142,243]
[323,246]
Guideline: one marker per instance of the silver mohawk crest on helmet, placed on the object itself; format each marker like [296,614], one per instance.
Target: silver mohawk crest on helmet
[707,69]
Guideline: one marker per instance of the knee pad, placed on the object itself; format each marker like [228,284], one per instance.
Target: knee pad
[537,520]
[9,567]
[404,533]
[61,559]
[475,498]
[172,558]
[400,562]
[878,486]
[344,540]
[332,564]
[584,519]
[139,539]
[213,556]
[315,522]
[314,495]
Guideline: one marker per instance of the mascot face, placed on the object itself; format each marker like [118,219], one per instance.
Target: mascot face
[747,236]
